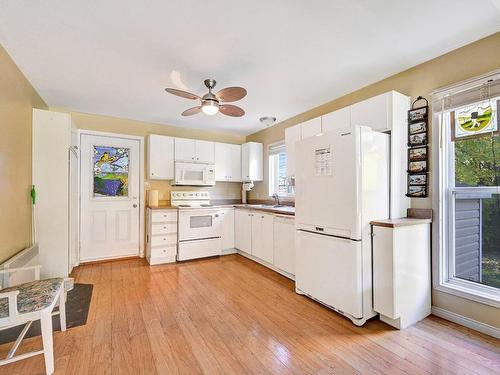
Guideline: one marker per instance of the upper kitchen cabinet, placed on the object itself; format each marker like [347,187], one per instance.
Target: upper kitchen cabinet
[339,119]
[252,161]
[311,128]
[227,162]
[205,152]
[292,135]
[380,112]
[160,157]
[193,150]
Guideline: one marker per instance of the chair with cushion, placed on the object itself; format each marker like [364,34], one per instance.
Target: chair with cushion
[28,302]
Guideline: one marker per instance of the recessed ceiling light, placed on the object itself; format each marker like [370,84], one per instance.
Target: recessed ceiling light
[267,120]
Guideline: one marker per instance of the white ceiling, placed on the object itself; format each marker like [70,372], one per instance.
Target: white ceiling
[115,57]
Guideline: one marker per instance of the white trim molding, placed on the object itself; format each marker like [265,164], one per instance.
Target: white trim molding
[466,322]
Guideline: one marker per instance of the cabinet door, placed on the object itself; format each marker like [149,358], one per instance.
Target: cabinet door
[284,244]
[311,128]
[235,162]
[251,161]
[292,135]
[227,228]
[336,120]
[160,157]
[373,112]
[205,152]
[185,149]
[222,162]
[243,230]
[262,236]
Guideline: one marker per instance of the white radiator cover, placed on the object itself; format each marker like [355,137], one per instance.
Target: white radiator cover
[25,258]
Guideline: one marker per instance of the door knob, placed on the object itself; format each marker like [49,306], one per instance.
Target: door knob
[134,205]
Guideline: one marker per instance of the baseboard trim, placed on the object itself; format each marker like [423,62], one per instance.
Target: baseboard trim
[268,265]
[466,322]
[107,260]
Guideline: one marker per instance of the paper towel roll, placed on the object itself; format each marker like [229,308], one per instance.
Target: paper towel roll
[153,198]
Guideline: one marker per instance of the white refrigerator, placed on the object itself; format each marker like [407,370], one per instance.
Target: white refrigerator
[342,183]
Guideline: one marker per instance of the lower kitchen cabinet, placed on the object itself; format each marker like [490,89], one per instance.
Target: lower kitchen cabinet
[284,243]
[227,228]
[262,236]
[402,272]
[161,236]
[242,230]
[266,237]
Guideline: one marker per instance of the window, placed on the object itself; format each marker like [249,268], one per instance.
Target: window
[469,189]
[278,181]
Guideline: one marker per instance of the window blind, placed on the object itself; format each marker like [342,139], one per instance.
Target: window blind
[276,148]
[466,92]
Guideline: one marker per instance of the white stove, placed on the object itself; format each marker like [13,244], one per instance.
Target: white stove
[199,225]
[190,199]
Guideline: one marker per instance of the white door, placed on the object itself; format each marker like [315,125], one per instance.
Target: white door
[205,152]
[227,228]
[284,243]
[235,160]
[336,120]
[243,230]
[262,236]
[185,149]
[110,192]
[329,270]
[311,128]
[292,136]
[222,162]
[160,157]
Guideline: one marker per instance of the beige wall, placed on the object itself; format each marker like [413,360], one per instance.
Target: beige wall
[17,98]
[222,190]
[469,61]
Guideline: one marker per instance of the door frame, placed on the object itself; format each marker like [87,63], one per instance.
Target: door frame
[142,208]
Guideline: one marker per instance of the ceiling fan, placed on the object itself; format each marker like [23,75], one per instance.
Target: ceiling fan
[212,103]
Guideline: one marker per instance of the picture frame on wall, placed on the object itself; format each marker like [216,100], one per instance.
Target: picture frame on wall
[418,114]
[418,139]
[417,179]
[417,166]
[417,153]
[417,191]
[417,127]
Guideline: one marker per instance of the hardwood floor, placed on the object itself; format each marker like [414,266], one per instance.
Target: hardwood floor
[230,315]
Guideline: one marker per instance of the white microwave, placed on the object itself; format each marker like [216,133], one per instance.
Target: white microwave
[194,174]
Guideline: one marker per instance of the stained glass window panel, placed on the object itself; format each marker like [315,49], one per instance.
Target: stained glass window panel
[111,171]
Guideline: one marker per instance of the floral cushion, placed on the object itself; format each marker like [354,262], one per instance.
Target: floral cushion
[33,296]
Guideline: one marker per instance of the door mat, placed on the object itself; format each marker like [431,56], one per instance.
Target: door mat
[77,311]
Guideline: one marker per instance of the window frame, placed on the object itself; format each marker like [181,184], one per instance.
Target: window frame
[271,153]
[443,202]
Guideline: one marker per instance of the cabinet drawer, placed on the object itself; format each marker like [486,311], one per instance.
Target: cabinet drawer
[163,216]
[166,251]
[164,228]
[167,239]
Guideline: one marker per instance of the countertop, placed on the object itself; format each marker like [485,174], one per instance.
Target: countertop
[283,210]
[400,222]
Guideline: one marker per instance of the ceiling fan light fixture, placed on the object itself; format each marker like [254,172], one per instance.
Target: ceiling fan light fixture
[210,107]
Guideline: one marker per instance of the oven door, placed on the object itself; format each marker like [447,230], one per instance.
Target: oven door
[199,224]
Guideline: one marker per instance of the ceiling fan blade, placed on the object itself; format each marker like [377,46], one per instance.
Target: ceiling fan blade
[182,93]
[231,110]
[191,111]
[231,94]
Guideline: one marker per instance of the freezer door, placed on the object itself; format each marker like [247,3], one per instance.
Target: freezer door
[327,182]
[329,270]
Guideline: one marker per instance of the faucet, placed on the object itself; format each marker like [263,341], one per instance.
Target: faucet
[276,200]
